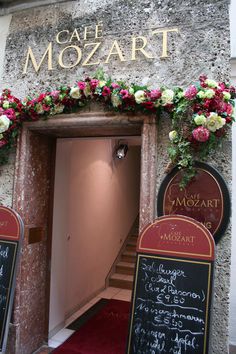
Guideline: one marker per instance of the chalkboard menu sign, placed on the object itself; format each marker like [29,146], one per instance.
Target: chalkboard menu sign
[205,198]
[11,231]
[172,288]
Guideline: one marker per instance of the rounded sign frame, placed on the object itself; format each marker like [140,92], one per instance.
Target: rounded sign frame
[217,180]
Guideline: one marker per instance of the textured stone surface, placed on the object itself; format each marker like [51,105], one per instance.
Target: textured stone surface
[202,46]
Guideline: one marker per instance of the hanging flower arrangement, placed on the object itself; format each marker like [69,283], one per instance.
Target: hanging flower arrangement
[200,114]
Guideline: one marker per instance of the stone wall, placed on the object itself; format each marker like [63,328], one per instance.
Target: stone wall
[200,46]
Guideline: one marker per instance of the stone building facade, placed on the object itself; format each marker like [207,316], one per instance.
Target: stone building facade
[147,42]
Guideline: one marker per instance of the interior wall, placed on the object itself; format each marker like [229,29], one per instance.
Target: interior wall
[96,202]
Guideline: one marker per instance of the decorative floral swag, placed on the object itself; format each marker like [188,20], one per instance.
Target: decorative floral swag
[200,115]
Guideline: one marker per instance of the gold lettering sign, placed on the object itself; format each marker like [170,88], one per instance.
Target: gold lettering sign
[87,54]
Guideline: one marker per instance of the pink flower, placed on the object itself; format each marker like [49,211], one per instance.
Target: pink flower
[114,85]
[81,85]
[46,108]
[190,92]
[55,94]
[106,91]
[94,83]
[201,134]
[124,93]
[155,94]
[10,113]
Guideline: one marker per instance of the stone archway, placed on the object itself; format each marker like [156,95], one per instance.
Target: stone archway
[33,189]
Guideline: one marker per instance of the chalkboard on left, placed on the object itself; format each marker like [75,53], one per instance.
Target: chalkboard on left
[8,252]
[11,233]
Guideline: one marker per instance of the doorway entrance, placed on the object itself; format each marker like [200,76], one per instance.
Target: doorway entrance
[33,196]
[96,202]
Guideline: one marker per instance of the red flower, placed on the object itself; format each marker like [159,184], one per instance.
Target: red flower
[41,97]
[202,80]
[106,91]
[220,132]
[228,120]
[3,142]
[148,105]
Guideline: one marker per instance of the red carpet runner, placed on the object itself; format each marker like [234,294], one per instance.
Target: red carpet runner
[105,333]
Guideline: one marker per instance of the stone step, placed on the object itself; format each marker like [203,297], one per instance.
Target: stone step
[122,281]
[132,241]
[131,247]
[125,268]
[128,256]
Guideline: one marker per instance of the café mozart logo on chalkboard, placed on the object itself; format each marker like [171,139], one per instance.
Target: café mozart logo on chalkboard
[205,198]
[85,46]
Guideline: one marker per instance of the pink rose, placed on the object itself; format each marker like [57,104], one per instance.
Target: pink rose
[201,134]
[114,85]
[155,94]
[10,113]
[106,91]
[81,85]
[124,93]
[190,92]
[94,83]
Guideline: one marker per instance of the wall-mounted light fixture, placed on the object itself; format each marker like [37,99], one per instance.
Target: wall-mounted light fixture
[121,151]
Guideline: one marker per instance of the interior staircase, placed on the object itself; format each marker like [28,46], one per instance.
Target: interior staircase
[123,274]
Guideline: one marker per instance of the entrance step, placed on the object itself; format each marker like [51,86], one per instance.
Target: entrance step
[121,281]
[128,256]
[125,268]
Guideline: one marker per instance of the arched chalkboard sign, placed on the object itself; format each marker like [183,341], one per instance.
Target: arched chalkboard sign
[11,233]
[172,293]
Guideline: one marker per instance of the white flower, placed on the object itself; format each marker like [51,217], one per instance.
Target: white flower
[39,108]
[201,94]
[87,90]
[167,97]
[211,83]
[139,96]
[101,83]
[209,93]
[200,119]
[75,92]
[116,101]
[226,95]
[4,123]
[58,108]
[173,135]
[6,104]
[131,90]
[215,122]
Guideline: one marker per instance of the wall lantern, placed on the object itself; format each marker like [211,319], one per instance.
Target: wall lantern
[121,151]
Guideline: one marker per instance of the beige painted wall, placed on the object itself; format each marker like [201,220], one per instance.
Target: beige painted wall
[96,202]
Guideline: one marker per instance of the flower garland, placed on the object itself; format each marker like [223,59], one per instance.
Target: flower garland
[200,114]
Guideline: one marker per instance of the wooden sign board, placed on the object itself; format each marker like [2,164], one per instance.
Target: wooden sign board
[171,301]
[11,233]
[205,198]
